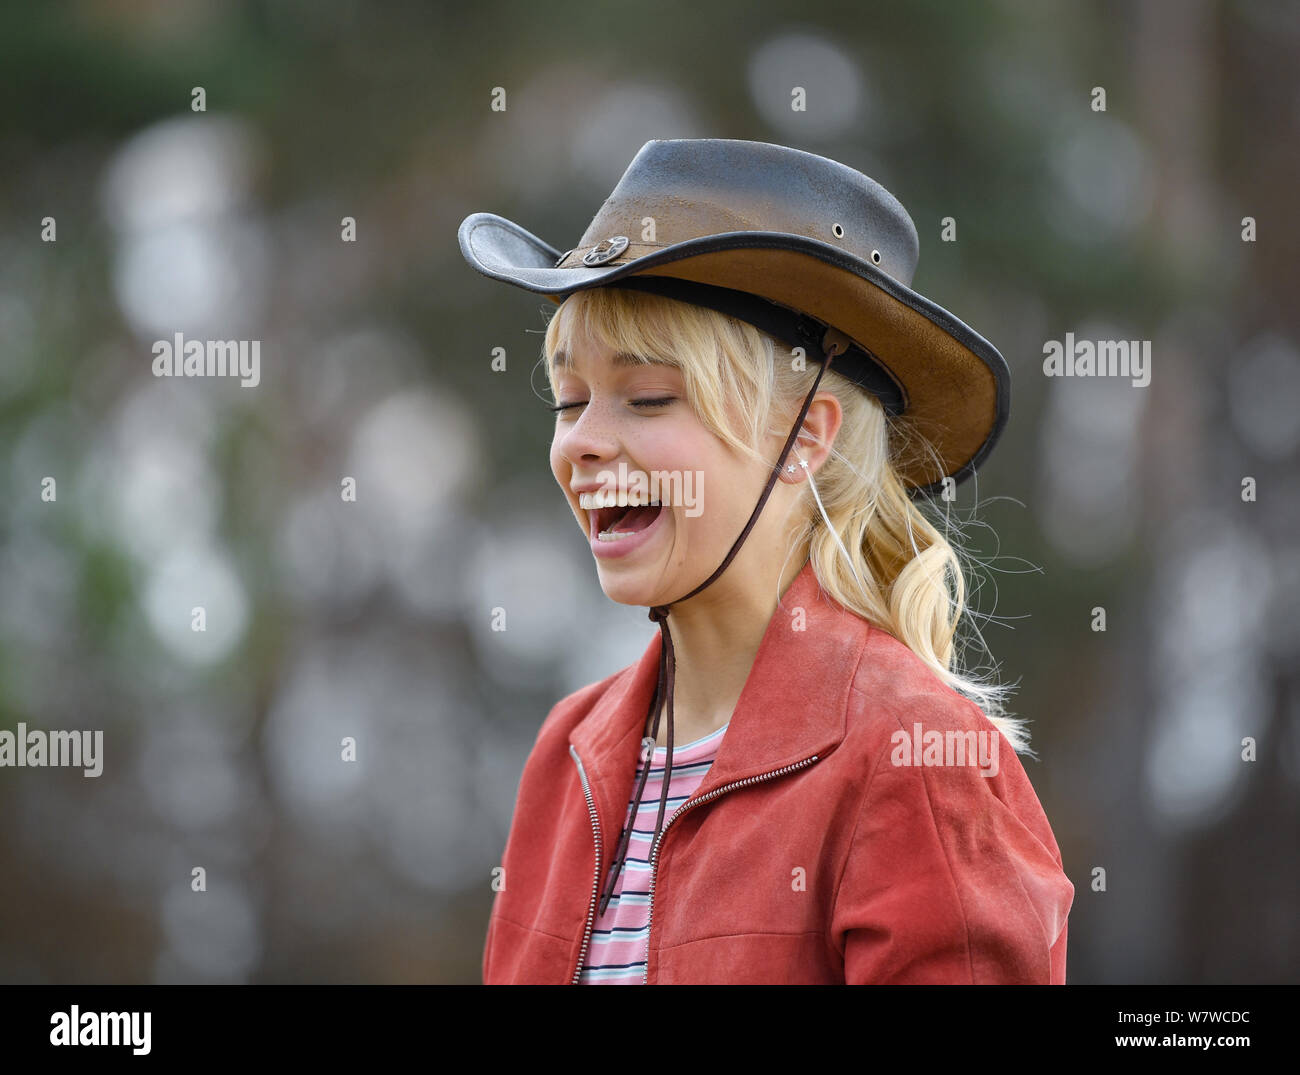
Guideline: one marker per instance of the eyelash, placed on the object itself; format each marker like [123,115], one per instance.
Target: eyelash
[558,408]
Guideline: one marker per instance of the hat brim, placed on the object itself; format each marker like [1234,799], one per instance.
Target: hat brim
[956,384]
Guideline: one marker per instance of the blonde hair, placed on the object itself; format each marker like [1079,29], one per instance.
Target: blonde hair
[873,549]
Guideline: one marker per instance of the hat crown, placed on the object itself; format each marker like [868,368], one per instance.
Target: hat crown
[676,190]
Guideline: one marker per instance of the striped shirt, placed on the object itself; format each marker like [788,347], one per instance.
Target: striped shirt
[616,954]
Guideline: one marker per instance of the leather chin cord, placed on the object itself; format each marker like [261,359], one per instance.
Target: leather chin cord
[832,343]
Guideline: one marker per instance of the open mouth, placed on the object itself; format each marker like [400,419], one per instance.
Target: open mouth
[609,524]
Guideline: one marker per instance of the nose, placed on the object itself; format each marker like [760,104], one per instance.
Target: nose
[591,436]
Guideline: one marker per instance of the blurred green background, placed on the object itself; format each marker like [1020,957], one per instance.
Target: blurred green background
[371,619]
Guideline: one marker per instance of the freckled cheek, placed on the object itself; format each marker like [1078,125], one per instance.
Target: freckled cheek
[717,506]
[693,517]
[660,450]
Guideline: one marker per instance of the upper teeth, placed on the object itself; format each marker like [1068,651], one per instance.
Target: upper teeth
[608,498]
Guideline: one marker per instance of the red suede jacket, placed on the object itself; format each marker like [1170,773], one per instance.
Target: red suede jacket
[811,853]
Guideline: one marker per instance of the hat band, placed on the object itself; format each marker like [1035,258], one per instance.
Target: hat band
[789,326]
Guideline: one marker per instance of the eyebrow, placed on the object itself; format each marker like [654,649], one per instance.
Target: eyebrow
[621,360]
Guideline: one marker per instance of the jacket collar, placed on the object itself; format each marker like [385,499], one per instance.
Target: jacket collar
[793,704]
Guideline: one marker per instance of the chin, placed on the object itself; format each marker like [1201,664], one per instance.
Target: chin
[626,587]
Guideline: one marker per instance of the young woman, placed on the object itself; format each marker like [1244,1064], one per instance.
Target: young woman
[794,784]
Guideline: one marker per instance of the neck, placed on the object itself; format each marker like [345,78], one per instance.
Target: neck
[716,636]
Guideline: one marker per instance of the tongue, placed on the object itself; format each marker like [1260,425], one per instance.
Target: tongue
[635,519]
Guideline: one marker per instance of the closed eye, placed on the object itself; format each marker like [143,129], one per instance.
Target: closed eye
[663,402]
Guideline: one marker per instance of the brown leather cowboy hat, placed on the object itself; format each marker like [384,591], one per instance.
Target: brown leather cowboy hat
[795,244]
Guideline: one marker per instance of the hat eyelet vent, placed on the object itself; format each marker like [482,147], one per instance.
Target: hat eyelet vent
[838,230]
[875,257]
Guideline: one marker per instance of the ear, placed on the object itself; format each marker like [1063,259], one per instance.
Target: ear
[813,445]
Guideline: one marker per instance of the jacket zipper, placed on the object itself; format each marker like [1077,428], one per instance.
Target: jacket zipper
[595,883]
[654,862]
